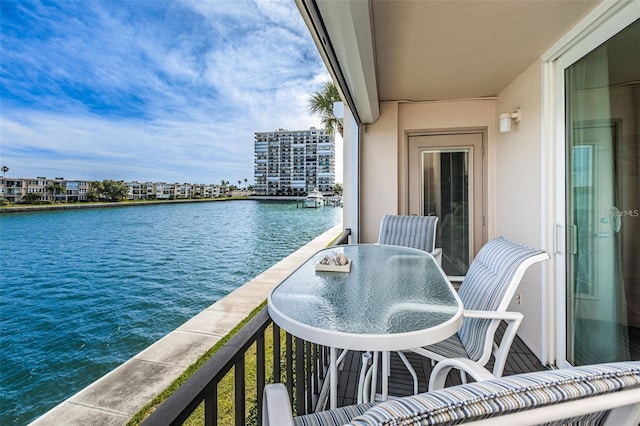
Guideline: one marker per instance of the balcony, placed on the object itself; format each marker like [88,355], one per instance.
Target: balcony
[301,365]
[213,393]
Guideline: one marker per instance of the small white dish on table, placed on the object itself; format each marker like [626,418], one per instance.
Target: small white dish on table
[334,263]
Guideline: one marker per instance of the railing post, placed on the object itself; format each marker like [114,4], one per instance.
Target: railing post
[309,373]
[300,378]
[239,391]
[277,375]
[289,361]
[316,372]
[343,238]
[211,408]
[260,379]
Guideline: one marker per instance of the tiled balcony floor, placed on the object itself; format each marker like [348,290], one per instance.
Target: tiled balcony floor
[520,360]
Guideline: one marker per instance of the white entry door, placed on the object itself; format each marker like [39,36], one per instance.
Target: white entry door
[446,180]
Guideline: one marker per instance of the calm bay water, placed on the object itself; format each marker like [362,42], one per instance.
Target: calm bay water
[84,290]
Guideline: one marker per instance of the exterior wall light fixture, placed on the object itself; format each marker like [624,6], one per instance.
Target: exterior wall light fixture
[505,120]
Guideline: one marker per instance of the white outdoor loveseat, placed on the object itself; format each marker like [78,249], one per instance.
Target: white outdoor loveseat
[602,394]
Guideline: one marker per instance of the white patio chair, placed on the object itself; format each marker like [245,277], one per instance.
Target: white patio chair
[411,231]
[486,291]
[604,394]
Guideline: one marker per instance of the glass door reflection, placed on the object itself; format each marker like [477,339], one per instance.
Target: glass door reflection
[445,193]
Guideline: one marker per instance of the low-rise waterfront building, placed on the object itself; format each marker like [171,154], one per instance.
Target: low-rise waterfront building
[43,189]
[36,186]
[13,189]
[165,191]
[210,191]
[139,191]
[77,190]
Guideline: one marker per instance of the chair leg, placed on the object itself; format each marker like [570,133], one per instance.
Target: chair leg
[404,359]
[502,352]
[366,360]
[369,382]
[324,390]
[374,377]
[366,389]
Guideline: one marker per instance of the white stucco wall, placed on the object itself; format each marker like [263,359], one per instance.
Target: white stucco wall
[350,194]
[378,172]
[519,201]
[384,152]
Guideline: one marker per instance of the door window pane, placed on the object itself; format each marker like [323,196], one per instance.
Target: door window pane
[445,193]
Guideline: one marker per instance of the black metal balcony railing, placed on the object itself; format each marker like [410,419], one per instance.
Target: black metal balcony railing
[301,365]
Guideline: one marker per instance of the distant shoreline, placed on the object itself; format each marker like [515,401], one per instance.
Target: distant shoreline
[93,205]
[17,208]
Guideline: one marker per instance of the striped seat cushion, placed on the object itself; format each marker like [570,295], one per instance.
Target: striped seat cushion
[409,231]
[336,417]
[480,400]
[484,287]
[449,348]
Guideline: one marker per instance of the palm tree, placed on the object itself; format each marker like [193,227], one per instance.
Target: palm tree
[55,189]
[223,187]
[321,103]
[31,198]
[245,183]
[5,169]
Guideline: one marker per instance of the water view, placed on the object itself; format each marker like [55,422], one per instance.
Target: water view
[83,291]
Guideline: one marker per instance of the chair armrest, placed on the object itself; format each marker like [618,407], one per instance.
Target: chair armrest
[437,254]
[276,410]
[442,369]
[500,352]
[506,316]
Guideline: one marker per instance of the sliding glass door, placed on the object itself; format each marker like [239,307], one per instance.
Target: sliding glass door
[603,202]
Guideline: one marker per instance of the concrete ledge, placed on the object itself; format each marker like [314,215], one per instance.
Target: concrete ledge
[117,396]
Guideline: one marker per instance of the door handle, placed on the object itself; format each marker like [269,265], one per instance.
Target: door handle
[558,239]
[572,239]
[603,234]
[616,219]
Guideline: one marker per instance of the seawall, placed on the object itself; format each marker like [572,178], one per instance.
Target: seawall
[74,206]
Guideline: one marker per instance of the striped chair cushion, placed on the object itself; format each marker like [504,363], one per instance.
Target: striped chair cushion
[336,417]
[409,231]
[510,394]
[485,285]
[450,348]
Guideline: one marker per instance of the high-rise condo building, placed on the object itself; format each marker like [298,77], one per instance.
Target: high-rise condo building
[294,162]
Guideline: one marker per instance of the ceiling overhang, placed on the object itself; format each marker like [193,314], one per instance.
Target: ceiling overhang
[421,50]
[343,33]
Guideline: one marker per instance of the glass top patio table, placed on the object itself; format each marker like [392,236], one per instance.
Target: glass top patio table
[394,298]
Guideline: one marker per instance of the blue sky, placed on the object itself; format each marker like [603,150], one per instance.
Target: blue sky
[150,90]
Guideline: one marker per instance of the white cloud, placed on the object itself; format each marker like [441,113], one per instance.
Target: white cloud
[153,91]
